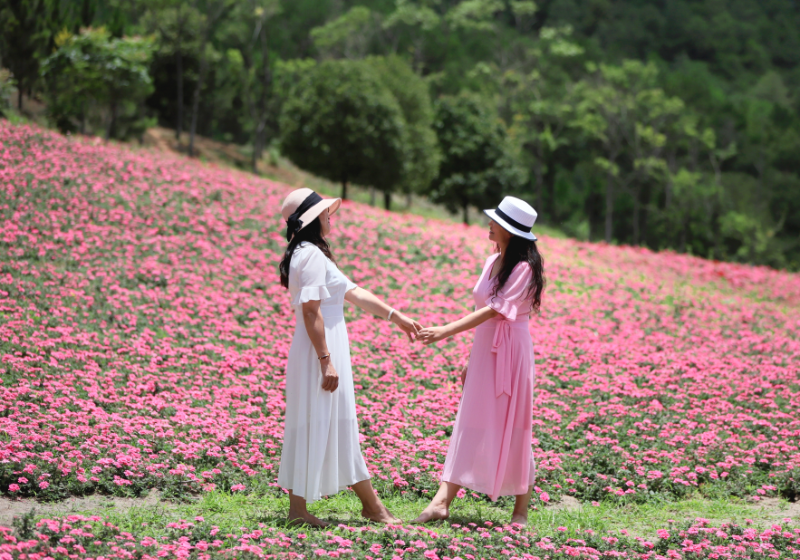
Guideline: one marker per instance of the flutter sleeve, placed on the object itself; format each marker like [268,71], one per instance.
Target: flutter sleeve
[511,299]
[312,267]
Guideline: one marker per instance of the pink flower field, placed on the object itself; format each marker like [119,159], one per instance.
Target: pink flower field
[143,337]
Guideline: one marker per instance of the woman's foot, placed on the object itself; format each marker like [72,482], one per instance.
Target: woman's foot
[433,512]
[307,519]
[380,515]
[519,518]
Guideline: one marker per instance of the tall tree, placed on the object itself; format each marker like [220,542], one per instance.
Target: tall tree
[25,34]
[625,114]
[213,11]
[341,122]
[254,60]
[479,162]
[177,24]
[411,92]
[94,67]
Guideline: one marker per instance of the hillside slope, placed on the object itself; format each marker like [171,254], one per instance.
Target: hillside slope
[144,334]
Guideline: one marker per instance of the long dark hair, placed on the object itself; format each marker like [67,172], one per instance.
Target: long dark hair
[311,233]
[523,250]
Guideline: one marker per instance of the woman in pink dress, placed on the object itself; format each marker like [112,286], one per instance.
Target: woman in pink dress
[490,449]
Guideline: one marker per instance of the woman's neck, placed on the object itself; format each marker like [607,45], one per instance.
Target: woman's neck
[502,251]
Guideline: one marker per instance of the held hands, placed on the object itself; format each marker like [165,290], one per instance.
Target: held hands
[330,377]
[407,325]
[429,335]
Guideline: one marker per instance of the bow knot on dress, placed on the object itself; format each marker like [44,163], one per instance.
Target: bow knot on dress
[502,348]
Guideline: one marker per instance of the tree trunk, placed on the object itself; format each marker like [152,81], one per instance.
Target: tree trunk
[466,214]
[179,77]
[682,246]
[539,174]
[196,97]
[636,206]
[372,196]
[112,123]
[258,141]
[609,207]
[344,189]
[19,96]
[387,200]
[539,187]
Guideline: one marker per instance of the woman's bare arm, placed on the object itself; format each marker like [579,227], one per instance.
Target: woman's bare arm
[315,327]
[430,335]
[369,302]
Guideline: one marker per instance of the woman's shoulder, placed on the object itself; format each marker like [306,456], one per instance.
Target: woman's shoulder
[493,257]
[306,251]
[522,268]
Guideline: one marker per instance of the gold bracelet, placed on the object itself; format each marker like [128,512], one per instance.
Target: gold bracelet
[323,357]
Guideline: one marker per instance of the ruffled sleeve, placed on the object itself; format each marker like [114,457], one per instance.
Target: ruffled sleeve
[311,267]
[350,285]
[512,298]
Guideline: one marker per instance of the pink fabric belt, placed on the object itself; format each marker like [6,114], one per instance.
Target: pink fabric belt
[502,347]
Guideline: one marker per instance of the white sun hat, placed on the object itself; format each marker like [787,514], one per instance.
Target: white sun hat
[515,216]
[302,206]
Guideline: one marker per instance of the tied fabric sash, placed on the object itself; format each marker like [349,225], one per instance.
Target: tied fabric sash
[294,223]
[502,347]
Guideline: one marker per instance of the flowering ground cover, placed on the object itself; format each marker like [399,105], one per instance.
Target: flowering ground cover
[143,337]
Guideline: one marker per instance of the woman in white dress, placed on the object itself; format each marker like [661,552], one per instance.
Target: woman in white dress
[321,453]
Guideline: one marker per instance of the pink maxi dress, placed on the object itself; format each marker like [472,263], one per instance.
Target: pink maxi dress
[490,449]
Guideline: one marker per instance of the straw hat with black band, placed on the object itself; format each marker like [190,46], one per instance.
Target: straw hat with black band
[302,206]
[515,216]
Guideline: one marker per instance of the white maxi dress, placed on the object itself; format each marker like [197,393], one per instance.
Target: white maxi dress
[321,451]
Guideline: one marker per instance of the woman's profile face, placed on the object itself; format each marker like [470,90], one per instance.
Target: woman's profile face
[498,234]
[325,220]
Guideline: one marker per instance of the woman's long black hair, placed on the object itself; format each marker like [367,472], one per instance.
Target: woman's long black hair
[523,250]
[311,233]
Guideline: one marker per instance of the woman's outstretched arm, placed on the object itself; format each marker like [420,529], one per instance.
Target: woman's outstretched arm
[430,335]
[370,303]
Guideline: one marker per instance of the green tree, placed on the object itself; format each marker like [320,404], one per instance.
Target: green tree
[177,25]
[342,123]
[626,115]
[479,162]
[92,68]
[253,59]
[6,87]
[213,11]
[346,36]
[25,34]
[411,93]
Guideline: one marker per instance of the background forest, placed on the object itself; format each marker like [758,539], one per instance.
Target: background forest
[668,124]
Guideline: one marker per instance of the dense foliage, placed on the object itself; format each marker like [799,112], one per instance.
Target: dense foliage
[665,124]
[91,71]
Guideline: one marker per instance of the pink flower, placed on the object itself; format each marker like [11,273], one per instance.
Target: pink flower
[44,484]
[545,497]
[13,488]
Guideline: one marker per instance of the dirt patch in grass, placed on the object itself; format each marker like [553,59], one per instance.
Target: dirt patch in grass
[99,505]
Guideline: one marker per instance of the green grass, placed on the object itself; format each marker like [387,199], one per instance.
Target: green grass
[232,512]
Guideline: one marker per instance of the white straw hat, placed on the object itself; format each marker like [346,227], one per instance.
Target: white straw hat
[515,216]
[302,206]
